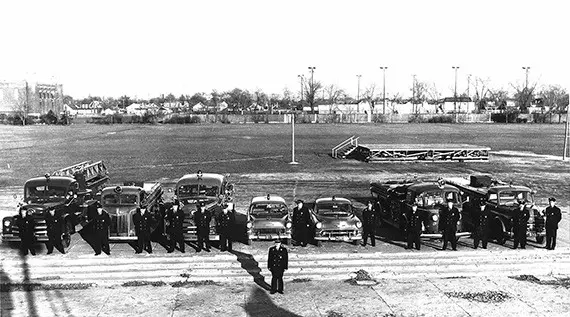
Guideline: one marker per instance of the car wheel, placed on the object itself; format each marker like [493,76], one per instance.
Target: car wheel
[287,241]
[540,239]
[319,243]
[66,235]
[500,234]
[356,242]
[249,241]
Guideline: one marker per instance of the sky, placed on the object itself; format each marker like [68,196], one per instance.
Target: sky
[147,48]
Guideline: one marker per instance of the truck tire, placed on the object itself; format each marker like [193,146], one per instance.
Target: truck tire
[356,242]
[249,242]
[540,239]
[287,241]
[66,234]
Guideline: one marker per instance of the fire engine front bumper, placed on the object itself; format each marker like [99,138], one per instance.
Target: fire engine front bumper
[194,237]
[7,237]
[440,235]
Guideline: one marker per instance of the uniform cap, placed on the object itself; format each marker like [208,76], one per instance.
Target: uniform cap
[98,205]
[551,199]
[299,201]
[482,203]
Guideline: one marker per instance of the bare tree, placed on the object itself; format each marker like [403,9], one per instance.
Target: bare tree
[311,90]
[21,105]
[499,97]
[334,93]
[369,96]
[481,92]
[554,97]
[524,96]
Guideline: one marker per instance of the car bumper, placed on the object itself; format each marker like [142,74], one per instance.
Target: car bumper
[194,237]
[7,237]
[268,236]
[331,237]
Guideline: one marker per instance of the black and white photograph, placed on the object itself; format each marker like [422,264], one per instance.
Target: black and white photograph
[284,158]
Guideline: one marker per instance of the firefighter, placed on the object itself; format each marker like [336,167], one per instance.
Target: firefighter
[226,221]
[301,223]
[54,231]
[553,217]
[175,228]
[202,218]
[25,223]
[482,224]
[368,224]
[277,263]
[449,218]
[520,221]
[414,227]
[101,223]
[143,221]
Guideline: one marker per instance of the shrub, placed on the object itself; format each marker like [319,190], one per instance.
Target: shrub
[441,119]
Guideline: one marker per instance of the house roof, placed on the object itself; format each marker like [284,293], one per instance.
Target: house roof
[459,99]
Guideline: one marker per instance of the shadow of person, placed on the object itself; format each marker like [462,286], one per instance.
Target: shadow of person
[260,305]
[249,264]
[6,302]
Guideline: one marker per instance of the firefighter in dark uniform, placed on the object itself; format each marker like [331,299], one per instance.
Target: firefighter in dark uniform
[25,223]
[414,227]
[54,231]
[277,263]
[482,225]
[368,224]
[101,222]
[301,223]
[175,227]
[449,218]
[553,217]
[226,221]
[520,221]
[143,221]
[202,218]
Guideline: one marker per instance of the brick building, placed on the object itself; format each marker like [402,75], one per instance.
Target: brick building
[31,97]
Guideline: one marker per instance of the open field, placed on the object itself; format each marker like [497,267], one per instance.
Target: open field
[258,154]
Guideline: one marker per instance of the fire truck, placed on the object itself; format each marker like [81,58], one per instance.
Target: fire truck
[70,191]
[121,202]
[503,200]
[394,200]
[211,190]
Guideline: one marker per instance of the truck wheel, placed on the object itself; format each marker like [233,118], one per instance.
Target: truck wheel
[540,239]
[287,241]
[249,241]
[356,242]
[319,243]
[66,235]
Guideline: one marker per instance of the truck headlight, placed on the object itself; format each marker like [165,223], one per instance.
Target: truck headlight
[288,225]
[434,217]
[358,224]
[249,225]
[7,223]
[319,225]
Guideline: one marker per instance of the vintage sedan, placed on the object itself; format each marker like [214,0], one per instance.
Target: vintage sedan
[334,219]
[211,190]
[268,217]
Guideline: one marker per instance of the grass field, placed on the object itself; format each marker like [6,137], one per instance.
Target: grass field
[259,153]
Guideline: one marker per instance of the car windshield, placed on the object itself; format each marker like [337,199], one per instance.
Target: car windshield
[334,209]
[45,192]
[119,199]
[436,198]
[511,197]
[268,209]
[198,190]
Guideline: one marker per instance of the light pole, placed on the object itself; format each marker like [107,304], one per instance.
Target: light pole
[383,68]
[302,92]
[526,92]
[526,69]
[468,84]
[358,91]
[413,91]
[455,90]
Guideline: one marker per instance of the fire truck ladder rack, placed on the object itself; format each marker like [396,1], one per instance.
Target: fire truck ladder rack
[94,173]
[345,148]
[420,152]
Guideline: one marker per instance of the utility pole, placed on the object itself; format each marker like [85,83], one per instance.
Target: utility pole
[302,90]
[383,68]
[526,92]
[468,84]
[26,106]
[455,93]
[358,91]
[312,87]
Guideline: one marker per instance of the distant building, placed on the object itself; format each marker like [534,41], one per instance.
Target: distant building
[459,104]
[31,97]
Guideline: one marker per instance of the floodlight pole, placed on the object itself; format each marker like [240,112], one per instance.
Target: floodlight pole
[566,134]
[383,68]
[455,94]
[293,139]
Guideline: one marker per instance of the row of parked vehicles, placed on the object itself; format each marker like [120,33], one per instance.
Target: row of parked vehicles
[73,192]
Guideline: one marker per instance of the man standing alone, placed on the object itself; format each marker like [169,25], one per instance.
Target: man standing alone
[414,228]
[277,263]
[101,222]
[482,221]
[54,231]
[553,217]
[143,221]
[301,223]
[202,218]
[226,221]
[520,221]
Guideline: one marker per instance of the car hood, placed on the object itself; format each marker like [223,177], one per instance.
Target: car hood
[41,207]
[269,222]
[338,222]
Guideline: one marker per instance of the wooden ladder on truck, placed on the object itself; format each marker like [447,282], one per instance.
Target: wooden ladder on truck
[88,174]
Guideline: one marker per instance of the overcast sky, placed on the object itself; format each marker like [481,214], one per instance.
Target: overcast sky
[146,48]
